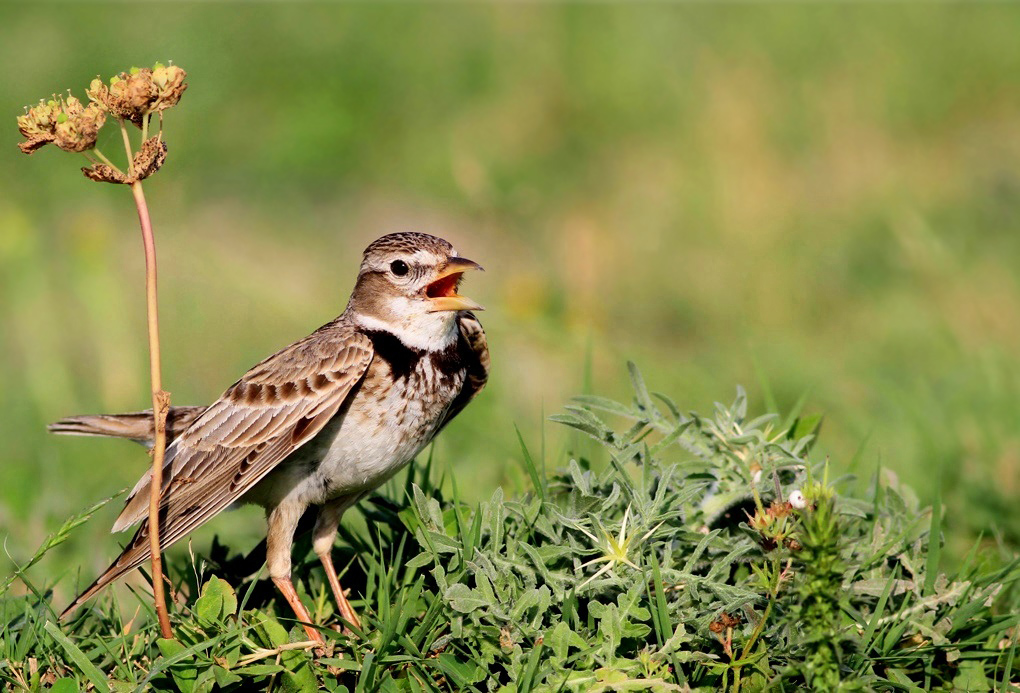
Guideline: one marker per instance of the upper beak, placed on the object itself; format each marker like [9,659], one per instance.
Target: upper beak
[442,291]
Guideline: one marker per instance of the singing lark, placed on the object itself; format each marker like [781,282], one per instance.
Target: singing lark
[322,422]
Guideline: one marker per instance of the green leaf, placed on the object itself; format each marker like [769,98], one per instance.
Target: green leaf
[1007,672]
[273,634]
[869,634]
[184,673]
[217,602]
[259,670]
[223,677]
[560,638]
[65,685]
[586,428]
[462,674]
[463,599]
[605,404]
[299,675]
[640,389]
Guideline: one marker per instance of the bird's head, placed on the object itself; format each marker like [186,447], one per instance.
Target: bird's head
[408,285]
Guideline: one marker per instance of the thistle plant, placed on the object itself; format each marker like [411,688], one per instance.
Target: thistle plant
[133,97]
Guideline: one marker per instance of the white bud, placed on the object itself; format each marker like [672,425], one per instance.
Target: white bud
[797,500]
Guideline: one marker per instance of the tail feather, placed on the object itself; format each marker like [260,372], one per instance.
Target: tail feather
[137,426]
[134,555]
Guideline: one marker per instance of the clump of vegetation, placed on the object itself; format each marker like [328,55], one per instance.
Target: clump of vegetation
[681,552]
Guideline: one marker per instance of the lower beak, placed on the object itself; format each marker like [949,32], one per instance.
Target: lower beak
[442,292]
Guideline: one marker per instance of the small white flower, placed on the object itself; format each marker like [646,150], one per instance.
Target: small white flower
[797,500]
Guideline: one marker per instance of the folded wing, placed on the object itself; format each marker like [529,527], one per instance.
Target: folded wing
[275,408]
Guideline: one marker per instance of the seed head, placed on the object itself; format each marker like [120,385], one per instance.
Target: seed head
[137,93]
[78,126]
[170,85]
[63,121]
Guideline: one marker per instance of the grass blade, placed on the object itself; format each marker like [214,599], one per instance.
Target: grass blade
[529,465]
[57,538]
[931,565]
[90,670]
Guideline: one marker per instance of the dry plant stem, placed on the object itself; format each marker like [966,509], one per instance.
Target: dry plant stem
[106,161]
[160,406]
[131,172]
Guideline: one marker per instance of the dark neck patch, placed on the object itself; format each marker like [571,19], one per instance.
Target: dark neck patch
[389,348]
[403,359]
[450,360]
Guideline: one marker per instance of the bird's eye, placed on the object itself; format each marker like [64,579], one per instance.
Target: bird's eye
[398,267]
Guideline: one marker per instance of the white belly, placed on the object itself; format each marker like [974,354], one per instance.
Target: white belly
[382,430]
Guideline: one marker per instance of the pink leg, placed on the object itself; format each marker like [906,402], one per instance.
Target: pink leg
[346,610]
[286,588]
[322,542]
[282,522]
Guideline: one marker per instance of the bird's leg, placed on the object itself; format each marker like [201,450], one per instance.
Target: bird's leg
[323,537]
[286,588]
[282,521]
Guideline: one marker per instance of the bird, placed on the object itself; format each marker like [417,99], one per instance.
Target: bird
[319,424]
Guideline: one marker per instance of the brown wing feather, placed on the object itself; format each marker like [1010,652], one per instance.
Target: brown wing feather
[475,351]
[275,408]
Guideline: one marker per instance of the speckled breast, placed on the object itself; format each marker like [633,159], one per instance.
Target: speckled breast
[396,410]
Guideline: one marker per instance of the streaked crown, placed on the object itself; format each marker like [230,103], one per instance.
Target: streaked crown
[410,245]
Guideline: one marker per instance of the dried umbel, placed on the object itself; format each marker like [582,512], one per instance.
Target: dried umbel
[65,122]
[78,127]
[170,84]
[140,92]
[145,162]
[132,96]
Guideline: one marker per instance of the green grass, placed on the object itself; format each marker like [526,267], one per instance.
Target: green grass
[659,563]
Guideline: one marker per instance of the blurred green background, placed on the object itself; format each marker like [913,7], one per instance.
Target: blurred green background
[798,198]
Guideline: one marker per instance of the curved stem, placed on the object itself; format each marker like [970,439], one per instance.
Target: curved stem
[131,164]
[160,404]
[102,157]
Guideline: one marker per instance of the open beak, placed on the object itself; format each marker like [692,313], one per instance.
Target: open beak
[442,292]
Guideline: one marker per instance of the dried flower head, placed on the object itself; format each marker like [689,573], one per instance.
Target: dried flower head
[724,621]
[37,125]
[139,92]
[78,126]
[145,162]
[63,121]
[170,85]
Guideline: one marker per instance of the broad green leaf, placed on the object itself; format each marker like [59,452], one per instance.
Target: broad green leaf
[560,638]
[463,599]
[461,673]
[216,603]
[184,672]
